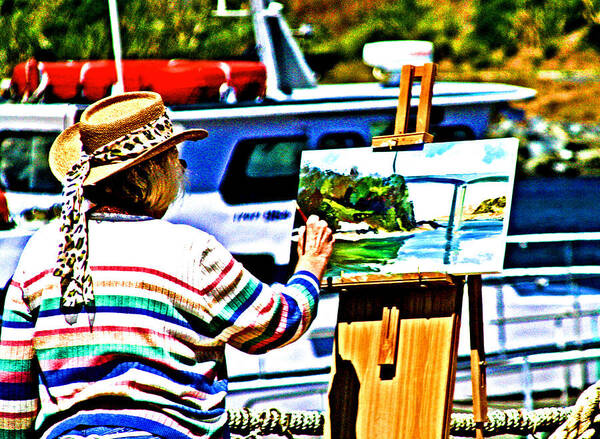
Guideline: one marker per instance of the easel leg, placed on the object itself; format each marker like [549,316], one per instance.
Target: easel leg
[478,372]
[408,391]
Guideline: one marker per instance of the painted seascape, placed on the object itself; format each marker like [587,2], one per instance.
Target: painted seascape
[444,208]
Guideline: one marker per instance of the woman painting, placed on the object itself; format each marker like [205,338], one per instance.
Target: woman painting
[115,321]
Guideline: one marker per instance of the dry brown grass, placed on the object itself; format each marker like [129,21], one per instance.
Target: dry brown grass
[576,101]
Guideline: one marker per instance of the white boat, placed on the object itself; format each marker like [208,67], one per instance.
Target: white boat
[248,203]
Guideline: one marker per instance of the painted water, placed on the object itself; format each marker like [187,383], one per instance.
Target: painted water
[475,244]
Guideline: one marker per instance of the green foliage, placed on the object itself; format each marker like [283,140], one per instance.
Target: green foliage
[492,22]
[80,29]
[485,35]
[510,24]
[181,29]
[399,20]
[382,203]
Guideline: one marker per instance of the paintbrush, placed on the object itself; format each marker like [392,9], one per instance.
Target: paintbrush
[304,220]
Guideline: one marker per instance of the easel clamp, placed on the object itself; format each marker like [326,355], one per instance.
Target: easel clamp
[400,137]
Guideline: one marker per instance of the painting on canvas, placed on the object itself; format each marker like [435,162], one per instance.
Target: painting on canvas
[444,208]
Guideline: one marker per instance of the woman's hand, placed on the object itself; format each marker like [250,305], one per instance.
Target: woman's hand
[315,244]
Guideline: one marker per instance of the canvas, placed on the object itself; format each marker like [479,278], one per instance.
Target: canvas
[443,208]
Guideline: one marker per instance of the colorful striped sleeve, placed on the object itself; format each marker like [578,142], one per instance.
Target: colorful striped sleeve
[253,316]
[18,386]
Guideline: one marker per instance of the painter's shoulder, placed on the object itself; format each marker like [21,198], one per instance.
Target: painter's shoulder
[46,234]
[183,231]
[41,248]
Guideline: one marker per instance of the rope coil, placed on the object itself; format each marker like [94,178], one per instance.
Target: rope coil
[582,421]
[511,421]
[254,424]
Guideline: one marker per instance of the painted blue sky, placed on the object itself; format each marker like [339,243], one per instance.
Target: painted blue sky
[497,156]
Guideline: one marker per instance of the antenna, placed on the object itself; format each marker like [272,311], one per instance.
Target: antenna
[119,87]
[277,49]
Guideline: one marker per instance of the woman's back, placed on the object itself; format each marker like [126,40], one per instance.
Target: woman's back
[167,299]
[116,321]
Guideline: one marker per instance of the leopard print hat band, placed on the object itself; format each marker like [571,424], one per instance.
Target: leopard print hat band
[101,124]
[76,283]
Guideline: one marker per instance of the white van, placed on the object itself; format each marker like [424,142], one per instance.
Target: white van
[242,178]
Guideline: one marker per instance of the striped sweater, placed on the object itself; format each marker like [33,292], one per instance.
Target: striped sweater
[168,298]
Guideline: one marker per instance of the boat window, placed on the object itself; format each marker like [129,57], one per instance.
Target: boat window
[387,126]
[263,170]
[557,285]
[382,127]
[552,254]
[24,162]
[341,140]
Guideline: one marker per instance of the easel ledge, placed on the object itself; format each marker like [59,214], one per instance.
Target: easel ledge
[393,141]
[359,280]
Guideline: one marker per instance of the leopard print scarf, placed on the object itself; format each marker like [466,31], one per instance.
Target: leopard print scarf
[72,264]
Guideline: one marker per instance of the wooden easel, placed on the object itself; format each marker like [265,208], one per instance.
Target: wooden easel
[396,342]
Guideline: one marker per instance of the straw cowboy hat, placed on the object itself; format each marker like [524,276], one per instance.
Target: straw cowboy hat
[116,125]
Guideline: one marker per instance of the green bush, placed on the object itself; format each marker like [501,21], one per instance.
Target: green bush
[399,20]
[80,29]
[483,36]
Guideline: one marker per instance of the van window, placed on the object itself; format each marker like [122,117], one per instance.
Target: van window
[382,127]
[24,162]
[263,170]
[272,160]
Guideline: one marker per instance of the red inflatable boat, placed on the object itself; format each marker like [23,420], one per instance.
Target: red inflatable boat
[180,82]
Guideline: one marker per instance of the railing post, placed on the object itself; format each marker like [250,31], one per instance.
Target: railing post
[501,316]
[527,384]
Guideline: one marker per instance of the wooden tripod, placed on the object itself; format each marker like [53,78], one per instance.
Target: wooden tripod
[396,342]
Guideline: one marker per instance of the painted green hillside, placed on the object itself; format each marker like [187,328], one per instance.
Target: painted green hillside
[382,203]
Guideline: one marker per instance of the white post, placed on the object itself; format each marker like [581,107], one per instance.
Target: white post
[119,87]
[281,55]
